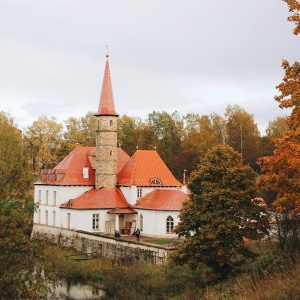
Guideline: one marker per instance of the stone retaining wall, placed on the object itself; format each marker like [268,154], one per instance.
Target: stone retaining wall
[100,245]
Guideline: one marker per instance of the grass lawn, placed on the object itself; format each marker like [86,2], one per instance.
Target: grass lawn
[163,242]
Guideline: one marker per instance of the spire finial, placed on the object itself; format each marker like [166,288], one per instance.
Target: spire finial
[107,55]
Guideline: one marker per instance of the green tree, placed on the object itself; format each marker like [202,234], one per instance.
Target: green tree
[21,260]
[167,129]
[127,133]
[221,212]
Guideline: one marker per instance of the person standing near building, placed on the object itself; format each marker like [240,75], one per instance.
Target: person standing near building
[137,233]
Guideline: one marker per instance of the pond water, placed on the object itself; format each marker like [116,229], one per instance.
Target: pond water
[75,292]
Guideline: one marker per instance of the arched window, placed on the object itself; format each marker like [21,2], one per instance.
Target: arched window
[141,222]
[170,224]
[155,181]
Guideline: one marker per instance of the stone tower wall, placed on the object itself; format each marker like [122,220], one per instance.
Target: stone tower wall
[106,151]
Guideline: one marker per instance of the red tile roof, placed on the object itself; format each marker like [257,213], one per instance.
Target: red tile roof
[161,199]
[107,105]
[71,166]
[122,159]
[98,199]
[143,167]
[69,170]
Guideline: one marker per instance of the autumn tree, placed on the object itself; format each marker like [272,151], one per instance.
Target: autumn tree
[282,170]
[43,142]
[243,134]
[80,131]
[144,136]
[220,128]
[277,126]
[266,147]
[294,7]
[198,137]
[21,259]
[221,212]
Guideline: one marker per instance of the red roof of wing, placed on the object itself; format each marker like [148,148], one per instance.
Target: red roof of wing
[161,199]
[98,199]
[107,105]
[72,166]
[144,166]
[69,170]
[122,159]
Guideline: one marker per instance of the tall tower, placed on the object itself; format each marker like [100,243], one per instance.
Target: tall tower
[106,135]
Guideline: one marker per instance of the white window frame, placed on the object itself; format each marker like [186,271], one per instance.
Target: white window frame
[68,220]
[95,224]
[54,198]
[141,222]
[54,218]
[139,193]
[155,181]
[169,224]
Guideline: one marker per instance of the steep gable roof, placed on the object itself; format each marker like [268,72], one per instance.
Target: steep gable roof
[162,199]
[98,199]
[143,167]
[70,170]
[106,105]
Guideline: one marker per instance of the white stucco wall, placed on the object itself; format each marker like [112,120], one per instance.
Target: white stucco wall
[63,194]
[130,192]
[83,219]
[154,222]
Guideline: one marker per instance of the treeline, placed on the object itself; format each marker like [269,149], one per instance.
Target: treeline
[181,141]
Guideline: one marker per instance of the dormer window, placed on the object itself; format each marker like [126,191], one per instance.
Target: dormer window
[85,172]
[155,181]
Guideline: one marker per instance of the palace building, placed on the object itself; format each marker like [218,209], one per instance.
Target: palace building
[102,189]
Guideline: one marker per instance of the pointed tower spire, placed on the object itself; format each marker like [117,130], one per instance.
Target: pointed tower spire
[107,104]
[106,136]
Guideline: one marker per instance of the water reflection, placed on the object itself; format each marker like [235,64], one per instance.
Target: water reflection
[76,292]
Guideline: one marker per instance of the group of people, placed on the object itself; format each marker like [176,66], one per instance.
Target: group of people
[137,234]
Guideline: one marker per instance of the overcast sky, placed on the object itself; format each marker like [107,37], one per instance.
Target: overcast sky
[187,56]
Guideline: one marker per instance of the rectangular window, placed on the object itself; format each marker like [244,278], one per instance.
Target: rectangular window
[40,196]
[39,216]
[68,220]
[139,193]
[47,197]
[53,218]
[46,217]
[95,221]
[54,198]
